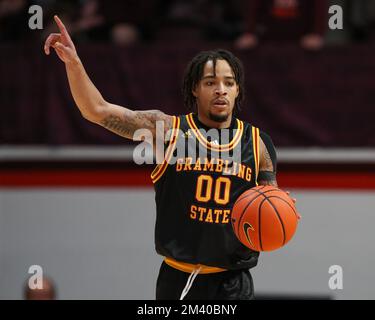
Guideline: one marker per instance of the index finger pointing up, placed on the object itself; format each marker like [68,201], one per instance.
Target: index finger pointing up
[61,26]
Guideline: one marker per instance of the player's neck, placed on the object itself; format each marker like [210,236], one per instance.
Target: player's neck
[214,124]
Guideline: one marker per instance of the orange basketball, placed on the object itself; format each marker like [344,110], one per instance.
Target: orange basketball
[264,218]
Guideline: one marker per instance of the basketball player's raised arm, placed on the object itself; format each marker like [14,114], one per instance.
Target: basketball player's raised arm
[267,162]
[93,106]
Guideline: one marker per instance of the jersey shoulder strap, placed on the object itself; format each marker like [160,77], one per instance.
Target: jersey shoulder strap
[169,147]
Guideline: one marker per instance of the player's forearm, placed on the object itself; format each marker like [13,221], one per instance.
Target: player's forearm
[86,96]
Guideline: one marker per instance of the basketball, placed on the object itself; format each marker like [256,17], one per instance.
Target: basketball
[264,218]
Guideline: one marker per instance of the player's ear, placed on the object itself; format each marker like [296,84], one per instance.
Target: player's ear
[194,92]
[238,90]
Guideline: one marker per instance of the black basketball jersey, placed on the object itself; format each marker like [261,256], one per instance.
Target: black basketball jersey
[203,173]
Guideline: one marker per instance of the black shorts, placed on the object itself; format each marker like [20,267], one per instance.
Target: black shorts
[226,285]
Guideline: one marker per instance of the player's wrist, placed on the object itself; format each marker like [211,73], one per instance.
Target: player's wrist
[74,62]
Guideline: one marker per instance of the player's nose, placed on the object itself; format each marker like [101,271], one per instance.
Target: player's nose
[220,89]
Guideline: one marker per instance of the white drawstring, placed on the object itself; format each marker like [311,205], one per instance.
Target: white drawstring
[189,282]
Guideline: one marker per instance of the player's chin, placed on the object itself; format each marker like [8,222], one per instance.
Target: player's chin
[219,114]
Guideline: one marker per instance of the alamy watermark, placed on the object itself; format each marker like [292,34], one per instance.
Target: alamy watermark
[36,19]
[336,281]
[336,21]
[36,280]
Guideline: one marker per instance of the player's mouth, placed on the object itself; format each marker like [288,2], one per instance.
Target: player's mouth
[220,103]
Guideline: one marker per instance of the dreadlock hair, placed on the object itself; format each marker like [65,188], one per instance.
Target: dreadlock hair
[194,73]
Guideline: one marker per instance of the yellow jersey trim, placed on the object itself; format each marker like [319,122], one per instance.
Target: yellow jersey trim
[224,147]
[189,268]
[255,132]
[159,170]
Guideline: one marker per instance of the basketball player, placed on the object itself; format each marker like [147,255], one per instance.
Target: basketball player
[203,258]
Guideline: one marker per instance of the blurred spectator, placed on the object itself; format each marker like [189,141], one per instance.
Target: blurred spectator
[284,20]
[90,24]
[123,34]
[201,19]
[122,22]
[47,293]
[359,18]
[222,19]
[130,21]
[13,20]
[82,18]
[180,20]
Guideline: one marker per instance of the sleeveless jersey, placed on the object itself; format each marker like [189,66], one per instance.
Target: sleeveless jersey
[197,184]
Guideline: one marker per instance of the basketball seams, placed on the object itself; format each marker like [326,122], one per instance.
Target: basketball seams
[259,224]
[291,207]
[259,192]
[278,216]
[246,196]
[254,191]
[244,210]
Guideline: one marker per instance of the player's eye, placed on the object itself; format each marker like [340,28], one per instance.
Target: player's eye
[230,83]
[209,83]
